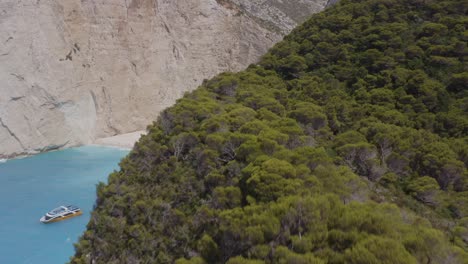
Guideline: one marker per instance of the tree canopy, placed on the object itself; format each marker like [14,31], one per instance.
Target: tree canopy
[346,143]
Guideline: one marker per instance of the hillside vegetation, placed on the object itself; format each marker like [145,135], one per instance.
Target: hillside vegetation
[346,143]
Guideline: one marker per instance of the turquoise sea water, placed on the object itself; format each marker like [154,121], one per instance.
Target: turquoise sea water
[32,186]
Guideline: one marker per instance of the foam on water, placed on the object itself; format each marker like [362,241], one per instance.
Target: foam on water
[32,186]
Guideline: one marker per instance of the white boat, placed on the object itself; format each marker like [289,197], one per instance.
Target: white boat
[61,213]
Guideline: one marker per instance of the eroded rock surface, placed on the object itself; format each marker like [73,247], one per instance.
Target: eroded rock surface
[72,71]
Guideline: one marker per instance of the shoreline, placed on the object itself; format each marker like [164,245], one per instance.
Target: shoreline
[124,141]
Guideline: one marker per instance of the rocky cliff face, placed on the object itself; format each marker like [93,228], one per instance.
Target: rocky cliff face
[72,71]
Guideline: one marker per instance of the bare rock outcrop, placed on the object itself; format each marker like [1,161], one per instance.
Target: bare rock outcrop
[72,71]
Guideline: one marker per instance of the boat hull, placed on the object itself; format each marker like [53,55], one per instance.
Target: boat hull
[61,218]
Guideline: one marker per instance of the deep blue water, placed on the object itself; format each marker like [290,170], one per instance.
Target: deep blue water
[32,186]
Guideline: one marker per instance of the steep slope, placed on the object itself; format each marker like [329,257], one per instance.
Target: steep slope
[72,71]
[346,143]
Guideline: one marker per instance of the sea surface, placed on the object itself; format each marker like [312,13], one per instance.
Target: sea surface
[32,186]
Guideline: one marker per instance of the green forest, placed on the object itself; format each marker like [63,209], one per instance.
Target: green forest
[346,143]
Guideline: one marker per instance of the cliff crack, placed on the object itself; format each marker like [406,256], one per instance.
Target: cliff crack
[96,106]
[166,27]
[16,98]
[76,47]
[11,133]
[52,147]
[56,104]
[69,56]
[18,76]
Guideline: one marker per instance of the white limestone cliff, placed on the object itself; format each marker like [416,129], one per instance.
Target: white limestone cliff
[72,71]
